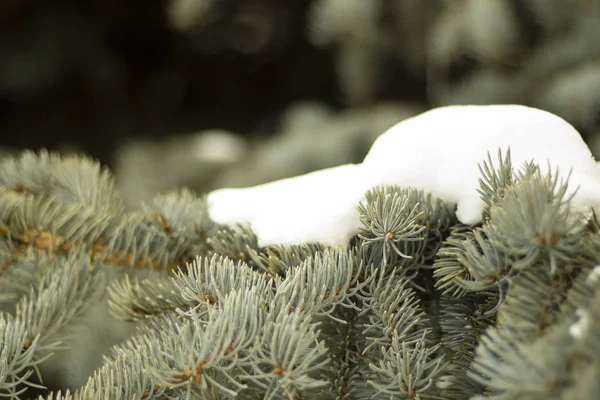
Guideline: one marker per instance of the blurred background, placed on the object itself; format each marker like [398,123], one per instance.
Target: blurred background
[212,93]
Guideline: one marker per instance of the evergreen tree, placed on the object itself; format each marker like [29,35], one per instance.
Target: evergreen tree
[418,306]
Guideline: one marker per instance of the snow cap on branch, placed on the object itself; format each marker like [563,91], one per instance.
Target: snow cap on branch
[438,151]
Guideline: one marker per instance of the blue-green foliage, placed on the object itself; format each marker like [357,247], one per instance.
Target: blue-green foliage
[417,306]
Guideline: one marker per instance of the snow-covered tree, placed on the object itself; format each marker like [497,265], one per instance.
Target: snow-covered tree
[421,301]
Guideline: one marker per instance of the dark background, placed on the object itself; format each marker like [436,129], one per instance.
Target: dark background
[93,72]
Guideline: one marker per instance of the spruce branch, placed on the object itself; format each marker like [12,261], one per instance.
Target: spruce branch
[62,293]
[534,221]
[321,283]
[348,371]
[71,180]
[288,356]
[408,370]
[467,262]
[214,352]
[60,395]
[590,245]
[277,260]
[394,312]
[435,217]
[133,360]
[390,222]
[488,267]
[202,357]
[78,208]
[38,222]
[510,360]
[234,242]
[20,272]
[447,270]
[207,281]
[30,172]
[42,223]
[580,293]
[132,299]
[494,182]
[584,355]
[79,180]
[231,319]
[583,326]
[512,369]
[18,359]
[67,287]
[134,242]
[532,304]
[183,217]
[462,323]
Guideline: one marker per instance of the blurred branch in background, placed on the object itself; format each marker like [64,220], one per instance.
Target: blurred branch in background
[309,136]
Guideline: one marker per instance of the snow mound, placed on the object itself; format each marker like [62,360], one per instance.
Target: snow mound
[437,151]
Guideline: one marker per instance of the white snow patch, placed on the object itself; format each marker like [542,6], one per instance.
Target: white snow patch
[437,151]
[319,206]
[594,275]
[580,326]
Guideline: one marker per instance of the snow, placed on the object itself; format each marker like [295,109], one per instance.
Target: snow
[578,328]
[594,275]
[319,207]
[438,151]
